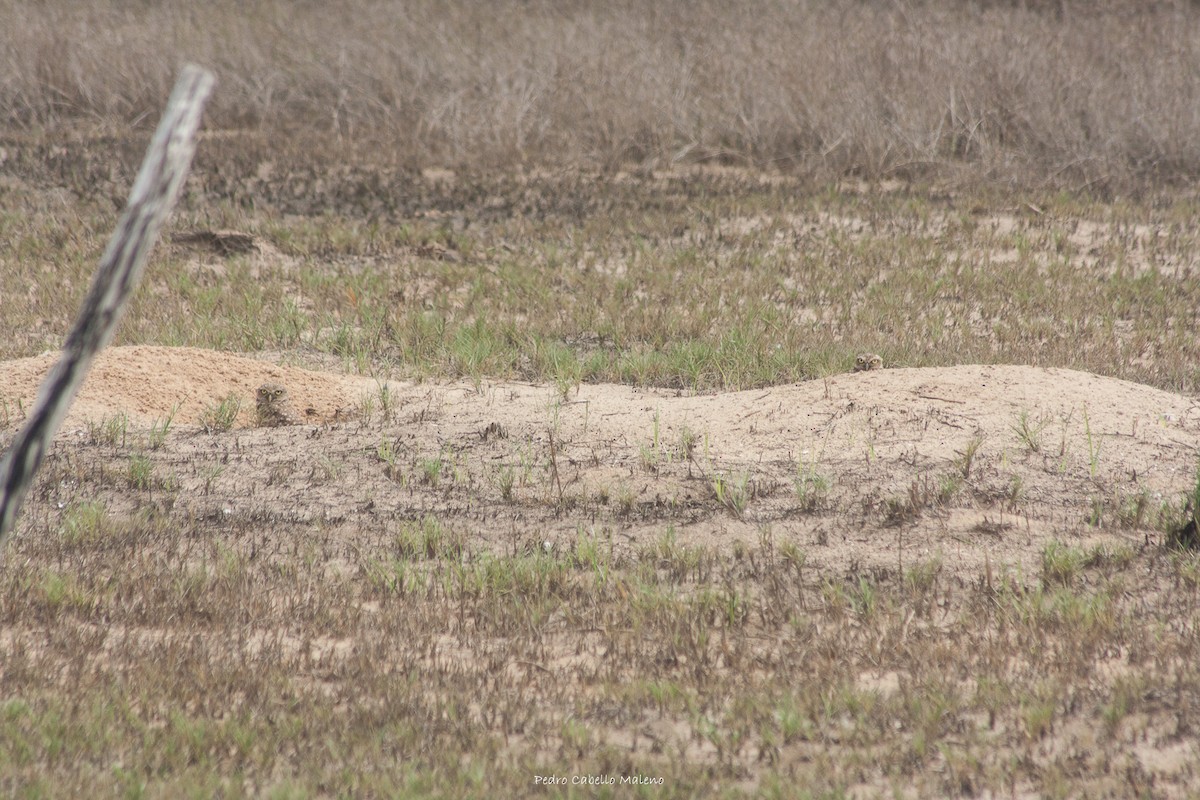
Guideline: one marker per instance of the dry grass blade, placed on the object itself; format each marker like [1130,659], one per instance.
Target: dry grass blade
[153,195]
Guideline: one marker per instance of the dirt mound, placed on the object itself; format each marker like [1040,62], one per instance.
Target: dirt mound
[965,465]
[148,384]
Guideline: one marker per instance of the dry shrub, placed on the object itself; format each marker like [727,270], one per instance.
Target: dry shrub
[1012,91]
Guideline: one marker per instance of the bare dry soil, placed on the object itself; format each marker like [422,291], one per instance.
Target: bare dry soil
[969,464]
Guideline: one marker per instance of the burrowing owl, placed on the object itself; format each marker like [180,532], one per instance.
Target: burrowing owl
[271,406]
[866,361]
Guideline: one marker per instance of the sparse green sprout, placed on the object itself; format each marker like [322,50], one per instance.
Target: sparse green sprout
[459,474]
[792,554]
[966,457]
[1016,490]
[811,486]
[566,371]
[948,486]
[366,407]
[922,577]
[218,418]
[159,429]
[651,455]
[386,452]
[687,443]
[594,554]
[63,591]
[1061,564]
[626,499]
[1029,431]
[431,470]
[1038,716]
[734,606]
[84,523]
[427,539]
[1125,697]
[525,459]
[863,598]
[386,401]
[506,478]
[732,491]
[210,473]
[1187,567]
[140,471]
[327,469]
[648,458]
[110,430]
[1132,510]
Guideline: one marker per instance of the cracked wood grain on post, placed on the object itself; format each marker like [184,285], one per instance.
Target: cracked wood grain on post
[150,201]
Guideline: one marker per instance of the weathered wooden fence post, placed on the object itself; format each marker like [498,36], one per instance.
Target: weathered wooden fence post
[153,195]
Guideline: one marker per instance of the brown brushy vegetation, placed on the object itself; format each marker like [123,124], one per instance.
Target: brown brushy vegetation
[1052,93]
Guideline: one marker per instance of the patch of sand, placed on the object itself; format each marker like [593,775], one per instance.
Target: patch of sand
[613,459]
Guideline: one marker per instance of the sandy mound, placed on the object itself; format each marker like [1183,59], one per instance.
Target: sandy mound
[966,465]
[146,383]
